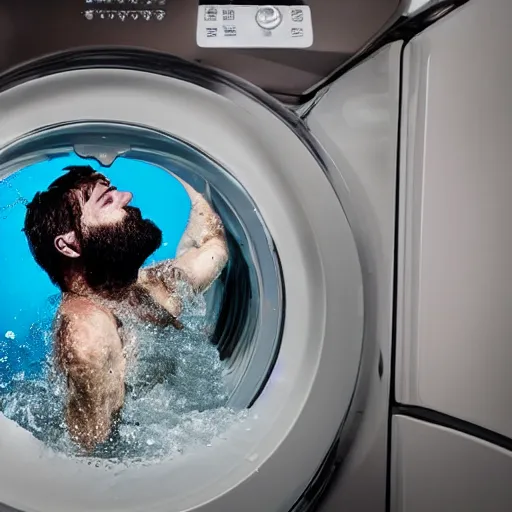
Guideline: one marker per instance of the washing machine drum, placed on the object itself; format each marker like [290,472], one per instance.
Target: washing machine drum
[293,346]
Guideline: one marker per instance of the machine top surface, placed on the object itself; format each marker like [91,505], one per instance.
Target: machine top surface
[32,28]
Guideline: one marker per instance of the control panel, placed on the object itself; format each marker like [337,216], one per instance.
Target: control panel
[247,25]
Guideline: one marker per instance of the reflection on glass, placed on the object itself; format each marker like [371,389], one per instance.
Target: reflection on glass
[129,371]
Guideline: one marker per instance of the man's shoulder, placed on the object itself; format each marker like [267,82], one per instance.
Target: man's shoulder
[79,315]
[82,308]
[81,328]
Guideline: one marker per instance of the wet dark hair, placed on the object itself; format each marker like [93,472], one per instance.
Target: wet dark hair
[54,212]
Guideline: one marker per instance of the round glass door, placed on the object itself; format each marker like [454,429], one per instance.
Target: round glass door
[287,312]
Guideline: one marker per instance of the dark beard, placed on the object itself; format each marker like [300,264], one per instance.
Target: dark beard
[112,255]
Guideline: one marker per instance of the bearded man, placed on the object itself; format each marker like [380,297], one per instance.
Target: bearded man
[84,234]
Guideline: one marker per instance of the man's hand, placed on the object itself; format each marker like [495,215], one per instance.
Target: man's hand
[160,281]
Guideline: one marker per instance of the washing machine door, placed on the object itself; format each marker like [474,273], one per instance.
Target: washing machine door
[267,460]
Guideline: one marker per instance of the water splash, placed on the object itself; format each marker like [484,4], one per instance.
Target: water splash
[176,398]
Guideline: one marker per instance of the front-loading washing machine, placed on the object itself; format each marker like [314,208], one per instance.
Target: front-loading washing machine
[347,324]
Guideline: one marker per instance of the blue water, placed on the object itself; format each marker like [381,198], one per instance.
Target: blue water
[29,299]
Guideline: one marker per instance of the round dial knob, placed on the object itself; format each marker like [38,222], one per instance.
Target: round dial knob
[268,17]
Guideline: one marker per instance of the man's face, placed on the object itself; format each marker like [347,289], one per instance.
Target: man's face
[104,205]
[114,240]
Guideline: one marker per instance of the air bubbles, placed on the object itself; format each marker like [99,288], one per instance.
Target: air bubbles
[18,200]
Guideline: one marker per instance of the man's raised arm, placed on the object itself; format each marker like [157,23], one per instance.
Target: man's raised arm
[201,256]
[203,252]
